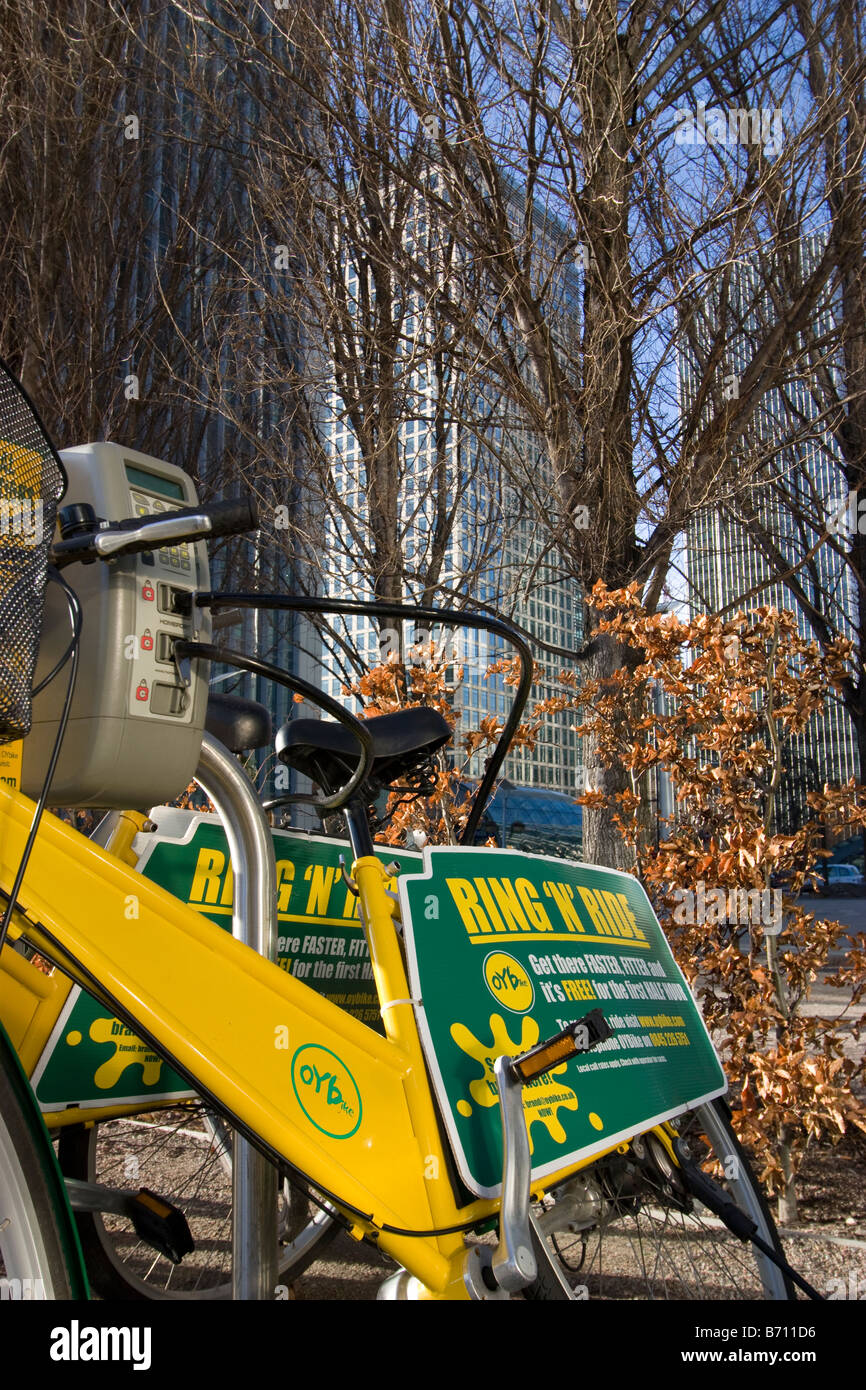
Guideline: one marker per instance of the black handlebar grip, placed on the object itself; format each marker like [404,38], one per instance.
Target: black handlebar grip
[231,518]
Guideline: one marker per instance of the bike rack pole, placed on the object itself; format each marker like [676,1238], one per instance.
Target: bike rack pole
[254,921]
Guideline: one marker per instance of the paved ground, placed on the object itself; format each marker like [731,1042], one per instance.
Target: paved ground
[350,1271]
[823,1000]
[850,911]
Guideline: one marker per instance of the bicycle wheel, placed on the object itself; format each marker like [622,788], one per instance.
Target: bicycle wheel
[626,1228]
[39,1256]
[184,1154]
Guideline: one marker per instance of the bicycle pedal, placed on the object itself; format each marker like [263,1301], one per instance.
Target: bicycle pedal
[581,1036]
[161,1225]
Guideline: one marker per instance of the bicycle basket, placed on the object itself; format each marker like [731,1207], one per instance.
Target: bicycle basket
[32,482]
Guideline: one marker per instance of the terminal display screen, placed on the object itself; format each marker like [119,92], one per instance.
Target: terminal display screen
[139,477]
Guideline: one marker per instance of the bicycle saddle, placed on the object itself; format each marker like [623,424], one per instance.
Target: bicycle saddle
[239,724]
[328,753]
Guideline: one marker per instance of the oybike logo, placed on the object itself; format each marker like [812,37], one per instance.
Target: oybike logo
[508,982]
[326,1091]
[77,1343]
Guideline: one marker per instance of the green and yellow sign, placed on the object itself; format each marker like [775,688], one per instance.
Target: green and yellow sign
[506,949]
[94,1060]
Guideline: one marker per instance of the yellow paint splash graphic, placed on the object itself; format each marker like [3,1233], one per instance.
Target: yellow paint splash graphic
[541,1099]
[128,1051]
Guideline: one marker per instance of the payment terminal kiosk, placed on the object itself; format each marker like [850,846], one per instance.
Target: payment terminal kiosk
[134,733]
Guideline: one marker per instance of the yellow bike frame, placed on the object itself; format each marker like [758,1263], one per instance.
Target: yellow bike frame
[231,1023]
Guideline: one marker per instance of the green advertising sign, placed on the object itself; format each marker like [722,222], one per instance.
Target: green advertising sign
[506,949]
[92,1059]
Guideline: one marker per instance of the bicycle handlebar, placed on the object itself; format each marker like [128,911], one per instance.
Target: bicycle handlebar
[205,520]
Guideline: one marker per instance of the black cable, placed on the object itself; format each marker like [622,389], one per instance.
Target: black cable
[72,650]
[184,649]
[54,576]
[443,616]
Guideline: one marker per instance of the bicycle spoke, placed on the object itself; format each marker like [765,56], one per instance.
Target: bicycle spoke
[641,1235]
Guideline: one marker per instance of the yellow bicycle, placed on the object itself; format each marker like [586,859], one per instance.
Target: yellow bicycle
[487,1152]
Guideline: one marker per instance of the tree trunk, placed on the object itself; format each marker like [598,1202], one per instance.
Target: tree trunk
[602,843]
[787,1200]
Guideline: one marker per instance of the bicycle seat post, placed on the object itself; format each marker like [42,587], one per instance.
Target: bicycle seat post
[358,826]
[254,921]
